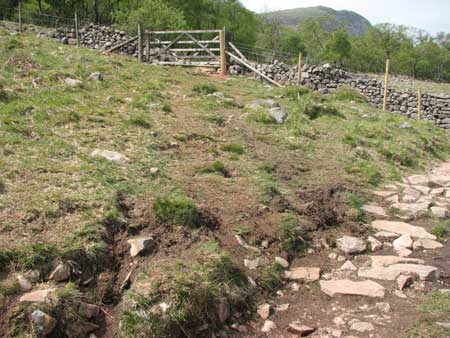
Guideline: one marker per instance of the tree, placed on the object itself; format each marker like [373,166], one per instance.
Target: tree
[339,47]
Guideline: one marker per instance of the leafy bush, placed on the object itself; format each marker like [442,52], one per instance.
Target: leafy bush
[177,211]
[234,148]
[204,88]
[194,293]
[292,237]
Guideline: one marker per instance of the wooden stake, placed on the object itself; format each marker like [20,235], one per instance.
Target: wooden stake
[147,46]
[76,30]
[299,78]
[20,17]
[140,45]
[223,56]
[386,83]
[419,103]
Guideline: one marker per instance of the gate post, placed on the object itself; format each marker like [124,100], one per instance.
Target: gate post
[223,56]
[140,45]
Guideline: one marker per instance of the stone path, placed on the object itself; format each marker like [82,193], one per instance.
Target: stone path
[402,203]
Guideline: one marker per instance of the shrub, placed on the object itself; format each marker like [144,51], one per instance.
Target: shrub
[177,211]
[271,277]
[204,88]
[233,148]
[292,236]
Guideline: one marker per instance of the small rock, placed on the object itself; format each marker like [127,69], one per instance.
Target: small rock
[404,281]
[351,245]
[404,252]
[333,256]
[279,114]
[61,273]
[339,321]
[444,325]
[341,258]
[301,330]
[304,274]
[281,261]
[140,244]
[256,263]
[375,210]
[282,307]
[154,171]
[111,156]
[223,310]
[24,284]
[264,310]
[439,212]
[362,327]
[375,244]
[268,326]
[43,323]
[383,307]
[73,82]
[88,310]
[349,266]
[400,294]
[96,76]
[403,242]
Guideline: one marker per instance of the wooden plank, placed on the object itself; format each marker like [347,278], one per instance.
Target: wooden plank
[173,42]
[191,64]
[203,46]
[419,103]
[194,50]
[186,42]
[254,70]
[112,49]
[184,32]
[238,52]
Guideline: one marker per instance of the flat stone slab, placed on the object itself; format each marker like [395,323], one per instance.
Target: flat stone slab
[347,287]
[391,260]
[111,156]
[384,193]
[413,210]
[402,228]
[391,272]
[303,274]
[428,244]
[38,296]
[419,180]
[375,210]
[351,245]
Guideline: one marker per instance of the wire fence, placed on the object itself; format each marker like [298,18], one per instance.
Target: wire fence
[264,55]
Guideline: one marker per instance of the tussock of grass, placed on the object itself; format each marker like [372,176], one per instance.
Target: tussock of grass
[177,211]
[442,230]
[140,120]
[292,236]
[314,111]
[436,302]
[204,88]
[234,148]
[217,168]
[261,117]
[217,119]
[193,294]
[348,94]
[271,277]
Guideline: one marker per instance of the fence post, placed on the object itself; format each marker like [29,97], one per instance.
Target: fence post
[140,46]
[419,103]
[20,17]
[76,30]
[299,78]
[386,83]
[147,46]
[223,56]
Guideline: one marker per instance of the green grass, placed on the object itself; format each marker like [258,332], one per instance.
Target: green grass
[177,211]
[436,302]
[261,117]
[193,293]
[348,94]
[442,230]
[271,277]
[216,168]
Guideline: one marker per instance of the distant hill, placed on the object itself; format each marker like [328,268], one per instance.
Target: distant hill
[354,23]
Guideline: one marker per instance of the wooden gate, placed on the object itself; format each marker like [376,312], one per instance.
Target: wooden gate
[197,48]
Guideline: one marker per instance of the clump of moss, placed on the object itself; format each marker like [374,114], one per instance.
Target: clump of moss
[176,301]
[177,211]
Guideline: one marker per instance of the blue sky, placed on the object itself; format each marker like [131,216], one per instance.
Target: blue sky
[430,15]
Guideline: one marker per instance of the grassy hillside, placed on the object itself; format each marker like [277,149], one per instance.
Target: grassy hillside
[222,170]
[354,23]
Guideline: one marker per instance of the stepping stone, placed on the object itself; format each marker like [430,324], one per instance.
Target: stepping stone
[403,252]
[374,243]
[440,180]
[384,193]
[412,192]
[428,244]
[439,212]
[299,329]
[409,199]
[418,180]
[393,199]
[38,296]
[391,272]
[437,192]
[111,156]
[347,287]
[362,327]
[391,260]
[351,245]
[375,210]
[402,228]
[403,242]
[303,274]
[349,266]
[424,190]
[387,234]
[412,210]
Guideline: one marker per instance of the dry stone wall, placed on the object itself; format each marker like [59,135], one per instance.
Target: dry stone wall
[324,78]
